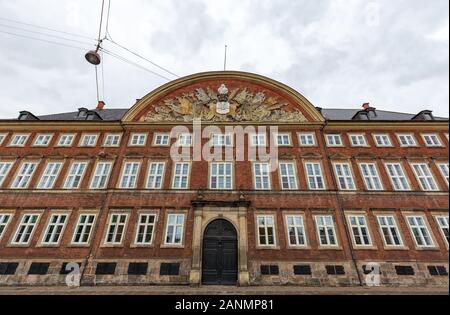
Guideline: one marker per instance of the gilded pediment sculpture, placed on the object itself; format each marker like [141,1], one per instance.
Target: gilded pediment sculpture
[237,105]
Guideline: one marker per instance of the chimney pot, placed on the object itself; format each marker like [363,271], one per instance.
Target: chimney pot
[101,105]
[366,106]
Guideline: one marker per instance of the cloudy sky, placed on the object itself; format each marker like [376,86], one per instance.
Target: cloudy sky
[338,53]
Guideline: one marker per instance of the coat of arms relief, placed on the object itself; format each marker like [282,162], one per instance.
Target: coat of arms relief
[237,105]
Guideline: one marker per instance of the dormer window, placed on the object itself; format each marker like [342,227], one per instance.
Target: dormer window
[428,116]
[27,116]
[82,112]
[86,114]
[424,115]
[361,115]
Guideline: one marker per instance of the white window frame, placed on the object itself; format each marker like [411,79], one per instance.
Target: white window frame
[88,144]
[65,137]
[315,176]
[334,144]
[5,220]
[398,177]
[282,136]
[98,177]
[185,140]
[265,176]
[181,175]
[295,184]
[426,181]
[145,227]
[5,169]
[443,168]
[152,178]
[363,230]
[383,144]
[48,180]
[358,140]
[15,137]
[423,229]
[87,228]
[298,230]
[114,228]
[350,184]
[29,227]
[3,137]
[265,224]
[327,228]
[443,224]
[18,183]
[434,137]
[116,140]
[309,136]
[70,174]
[390,228]
[132,177]
[176,227]
[372,179]
[161,136]
[411,136]
[221,178]
[258,140]
[48,137]
[52,229]
[138,139]
[221,140]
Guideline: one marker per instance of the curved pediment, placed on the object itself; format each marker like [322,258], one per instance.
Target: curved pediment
[224,97]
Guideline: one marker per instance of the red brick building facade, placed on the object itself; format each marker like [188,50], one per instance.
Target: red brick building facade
[353,189]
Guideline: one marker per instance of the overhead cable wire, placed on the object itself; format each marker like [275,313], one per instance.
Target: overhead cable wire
[103,76]
[109,38]
[119,57]
[47,28]
[96,82]
[107,18]
[143,58]
[45,34]
[98,47]
[43,40]
[101,22]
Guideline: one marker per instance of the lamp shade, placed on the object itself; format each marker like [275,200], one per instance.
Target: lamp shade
[93,57]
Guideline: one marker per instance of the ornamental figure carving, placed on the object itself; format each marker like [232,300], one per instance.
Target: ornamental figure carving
[237,105]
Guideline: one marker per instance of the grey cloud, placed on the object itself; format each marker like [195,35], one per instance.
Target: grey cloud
[326,49]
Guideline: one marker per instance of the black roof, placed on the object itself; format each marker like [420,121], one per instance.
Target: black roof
[381,115]
[116,114]
[112,114]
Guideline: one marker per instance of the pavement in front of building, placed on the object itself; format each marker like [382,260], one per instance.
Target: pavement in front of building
[221,290]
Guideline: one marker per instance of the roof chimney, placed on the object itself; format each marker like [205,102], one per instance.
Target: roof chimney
[101,105]
[366,106]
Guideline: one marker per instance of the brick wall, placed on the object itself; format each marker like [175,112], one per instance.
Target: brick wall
[275,201]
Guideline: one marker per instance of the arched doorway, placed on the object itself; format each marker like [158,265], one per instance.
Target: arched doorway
[220,254]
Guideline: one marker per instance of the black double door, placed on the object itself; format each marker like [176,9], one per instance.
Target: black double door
[220,254]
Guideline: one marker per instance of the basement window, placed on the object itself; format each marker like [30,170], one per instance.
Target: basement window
[8,269]
[438,271]
[39,269]
[104,269]
[273,270]
[405,270]
[335,270]
[137,269]
[303,270]
[170,269]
